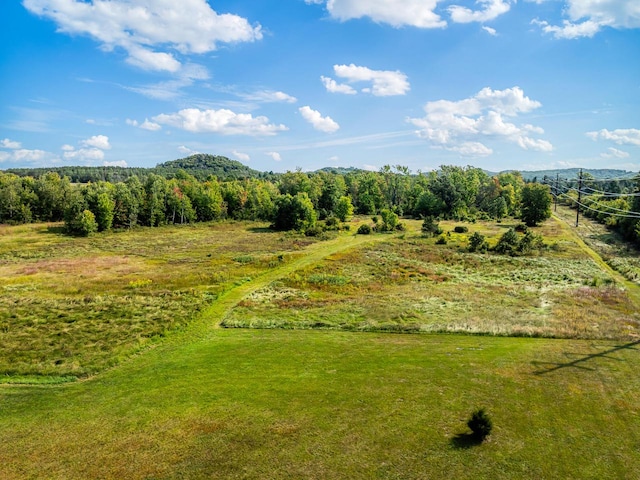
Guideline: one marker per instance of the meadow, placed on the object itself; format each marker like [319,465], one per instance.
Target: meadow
[317,386]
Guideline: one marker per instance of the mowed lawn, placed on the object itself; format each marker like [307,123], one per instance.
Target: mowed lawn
[271,404]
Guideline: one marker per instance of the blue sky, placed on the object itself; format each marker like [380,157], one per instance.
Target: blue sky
[286,84]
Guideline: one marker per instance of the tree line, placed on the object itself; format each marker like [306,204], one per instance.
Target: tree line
[293,200]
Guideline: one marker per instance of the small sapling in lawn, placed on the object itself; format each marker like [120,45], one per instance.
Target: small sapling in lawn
[480,424]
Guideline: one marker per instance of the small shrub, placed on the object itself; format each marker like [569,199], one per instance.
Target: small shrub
[477,243]
[401,227]
[508,243]
[332,223]
[460,229]
[364,229]
[313,231]
[522,228]
[480,424]
[442,240]
[430,227]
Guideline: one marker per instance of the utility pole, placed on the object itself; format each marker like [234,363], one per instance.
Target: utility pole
[579,197]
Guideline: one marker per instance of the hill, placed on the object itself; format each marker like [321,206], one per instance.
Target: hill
[201,165]
[573,173]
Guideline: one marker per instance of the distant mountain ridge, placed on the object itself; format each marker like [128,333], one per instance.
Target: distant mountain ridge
[202,165]
[573,173]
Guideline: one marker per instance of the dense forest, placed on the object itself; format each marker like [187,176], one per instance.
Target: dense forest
[205,188]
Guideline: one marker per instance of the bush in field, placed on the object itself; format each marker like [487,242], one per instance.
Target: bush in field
[508,243]
[480,424]
[364,229]
[430,227]
[460,229]
[442,240]
[389,221]
[477,243]
[84,224]
[294,212]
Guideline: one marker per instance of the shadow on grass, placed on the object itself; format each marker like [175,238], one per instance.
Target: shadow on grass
[549,367]
[53,230]
[260,230]
[464,441]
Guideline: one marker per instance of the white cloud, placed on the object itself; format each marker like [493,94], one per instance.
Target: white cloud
[143,27]
[569,30]
[383,82]
[97,141]
[614,153]
[269,96]
[398,13]
[4,156]
[186,150]
[6,143]
[275,156]
[490,31]
[84,154]
[68,148]
[492,9]
[151,126]
[621,136]
[459,126]
[221,121]
[324,124]
[334,87]
[117,163]
[588,17]
[30,155]
[241,156]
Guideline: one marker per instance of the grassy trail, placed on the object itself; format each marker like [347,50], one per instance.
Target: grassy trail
[632,288]
[313,254]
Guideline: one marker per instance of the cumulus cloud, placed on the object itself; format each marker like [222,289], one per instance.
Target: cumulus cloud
[588,17]
[117,163]
[97,141]
[491,10]
[24,154]
[383,82]
[460,126]
[334,87]
[241,156]
[621,136]
[143,27]
[398,13]
[18,154]
[6,143]
[84,154]
[146,125]
[275,156]
[186,150]
[221,121]
[91,150]
[324,124]
[614,153]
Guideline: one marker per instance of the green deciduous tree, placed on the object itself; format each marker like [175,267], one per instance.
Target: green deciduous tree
[535,206]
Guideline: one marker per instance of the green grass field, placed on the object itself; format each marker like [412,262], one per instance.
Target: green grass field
[318,391]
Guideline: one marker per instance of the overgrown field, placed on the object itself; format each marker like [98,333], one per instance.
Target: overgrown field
[321,403]
[413,284]
[275,404]
[74,306]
